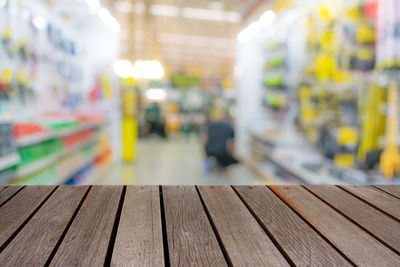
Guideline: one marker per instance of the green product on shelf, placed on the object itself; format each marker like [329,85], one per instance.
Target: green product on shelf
[57,125]
[275,101]
[274,81]
[46,176]
[35,152]
[274,62]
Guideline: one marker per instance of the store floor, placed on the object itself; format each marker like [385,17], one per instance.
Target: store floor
[177,161]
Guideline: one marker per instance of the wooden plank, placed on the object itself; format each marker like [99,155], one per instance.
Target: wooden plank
[380,225]
[245,241]
[391,189]
[8,192]
[87,240]
[34,244]
[356,244]
[301,243]
[376,197]
[191,240]
[139,240]
[19,208]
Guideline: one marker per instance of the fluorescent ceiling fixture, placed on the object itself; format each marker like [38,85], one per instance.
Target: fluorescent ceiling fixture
[109,20]
[195,40]
[94,4]
[267,18]
[161,10]
[156,94]
[123,6]
[139,8]
[39,22]
[148,69]
[123,68]
[208,14]
[249,32]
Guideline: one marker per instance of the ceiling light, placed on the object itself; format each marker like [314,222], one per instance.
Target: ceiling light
[161,10]
[123,68]
[148,69]
[267,18]
[249,32]
[207,14]
[109,20]
[123,6]
[156,94]
[40,23]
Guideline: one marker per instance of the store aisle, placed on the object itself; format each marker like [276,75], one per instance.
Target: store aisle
[177,161]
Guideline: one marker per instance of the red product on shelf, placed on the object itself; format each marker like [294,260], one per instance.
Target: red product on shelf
[24,129]
[77,138]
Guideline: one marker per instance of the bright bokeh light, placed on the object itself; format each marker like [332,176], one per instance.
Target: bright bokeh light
[123,68]
[267,18]
[148,69]
[109,20]
[249,32]
[156,94]
[39,22]
[94,4]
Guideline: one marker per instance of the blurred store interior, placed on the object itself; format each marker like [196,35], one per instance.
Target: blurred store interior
[199,92]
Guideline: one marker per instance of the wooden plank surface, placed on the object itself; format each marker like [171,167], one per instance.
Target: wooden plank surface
[19,208]
[139,240]
[34,244]
[374,221]
[393,190]
[361,248]
[245,241]
[87,240]
[376,197]
[7,192]
[191,240]
[301,243]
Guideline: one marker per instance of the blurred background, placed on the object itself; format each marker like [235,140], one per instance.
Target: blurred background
[199,91]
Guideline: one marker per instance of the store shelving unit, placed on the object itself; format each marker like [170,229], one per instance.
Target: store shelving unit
[43,163]
[8,161]
[41,137]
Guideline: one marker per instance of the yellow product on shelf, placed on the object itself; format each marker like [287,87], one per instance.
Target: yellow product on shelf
[365,34]
[390,158]
[324,67]
[373,122]
[344,160]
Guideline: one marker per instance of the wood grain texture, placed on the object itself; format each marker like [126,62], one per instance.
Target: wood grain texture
[14,213]
[191,240]
[376,197]
[356,244]
[87,240]
[391,189]
[34,244]
[139,240]
[245,241]
[374,221]
[8,192]
[301,243]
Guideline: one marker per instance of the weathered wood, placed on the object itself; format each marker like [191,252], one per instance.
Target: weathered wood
[377,223]
[139,240]
[245,241]
[356,244]
[19,208]
[191,240]
[87,240]
[393,190]
[301,243]
[8,192]
[376,197]
[34,244]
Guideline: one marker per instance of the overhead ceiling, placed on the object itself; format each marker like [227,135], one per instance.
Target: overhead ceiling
[196,37]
